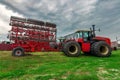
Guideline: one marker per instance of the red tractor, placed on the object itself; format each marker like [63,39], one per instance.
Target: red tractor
[87,42]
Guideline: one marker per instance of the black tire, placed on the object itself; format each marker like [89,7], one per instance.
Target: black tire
[115,48]
[18,52]
[62,46]
[101,49]
[72,49]
[92,48]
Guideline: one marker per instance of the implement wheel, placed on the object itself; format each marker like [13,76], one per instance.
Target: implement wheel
[102,49]
[72,49]
[18,51]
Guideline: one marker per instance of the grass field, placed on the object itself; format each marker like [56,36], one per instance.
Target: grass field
[56,66]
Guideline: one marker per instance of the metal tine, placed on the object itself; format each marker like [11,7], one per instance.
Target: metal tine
[50,25]
[13,18]
[30,21]
[36,22]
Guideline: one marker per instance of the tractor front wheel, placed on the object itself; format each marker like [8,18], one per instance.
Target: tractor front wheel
[18,52]
[72,49]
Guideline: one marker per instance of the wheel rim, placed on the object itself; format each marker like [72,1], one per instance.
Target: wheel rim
[104,50]
[18,52]
[73,49]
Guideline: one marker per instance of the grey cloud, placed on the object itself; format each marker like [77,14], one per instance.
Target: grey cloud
[70,15]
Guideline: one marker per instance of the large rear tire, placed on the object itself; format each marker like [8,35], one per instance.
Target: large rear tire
[92,48]
[101,49]
[18,51]
[72,49]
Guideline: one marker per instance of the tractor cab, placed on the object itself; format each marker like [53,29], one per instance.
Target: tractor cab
[86,35]
[82,35]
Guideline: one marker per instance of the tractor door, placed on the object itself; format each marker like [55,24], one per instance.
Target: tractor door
[86,41]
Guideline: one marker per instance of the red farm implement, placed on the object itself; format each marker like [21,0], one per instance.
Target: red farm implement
[5,46]
[31,35]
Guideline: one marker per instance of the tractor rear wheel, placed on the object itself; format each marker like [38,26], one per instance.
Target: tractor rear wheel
[101,49]
[72,49]
[18,51]
[92,48]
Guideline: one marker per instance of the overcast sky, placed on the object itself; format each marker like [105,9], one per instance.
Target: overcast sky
[68,15]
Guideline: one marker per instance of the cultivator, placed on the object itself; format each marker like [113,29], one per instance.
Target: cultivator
[32,35]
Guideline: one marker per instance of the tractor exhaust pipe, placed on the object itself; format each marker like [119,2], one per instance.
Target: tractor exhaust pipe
[93,26]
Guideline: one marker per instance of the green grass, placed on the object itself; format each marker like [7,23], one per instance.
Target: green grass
[57,66]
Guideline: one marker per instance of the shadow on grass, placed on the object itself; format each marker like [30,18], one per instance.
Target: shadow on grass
[28,54]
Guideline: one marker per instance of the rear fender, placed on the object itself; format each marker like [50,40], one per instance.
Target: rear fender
[107,40]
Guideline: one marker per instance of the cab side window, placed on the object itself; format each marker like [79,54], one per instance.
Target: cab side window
[80,35]
[85,36]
